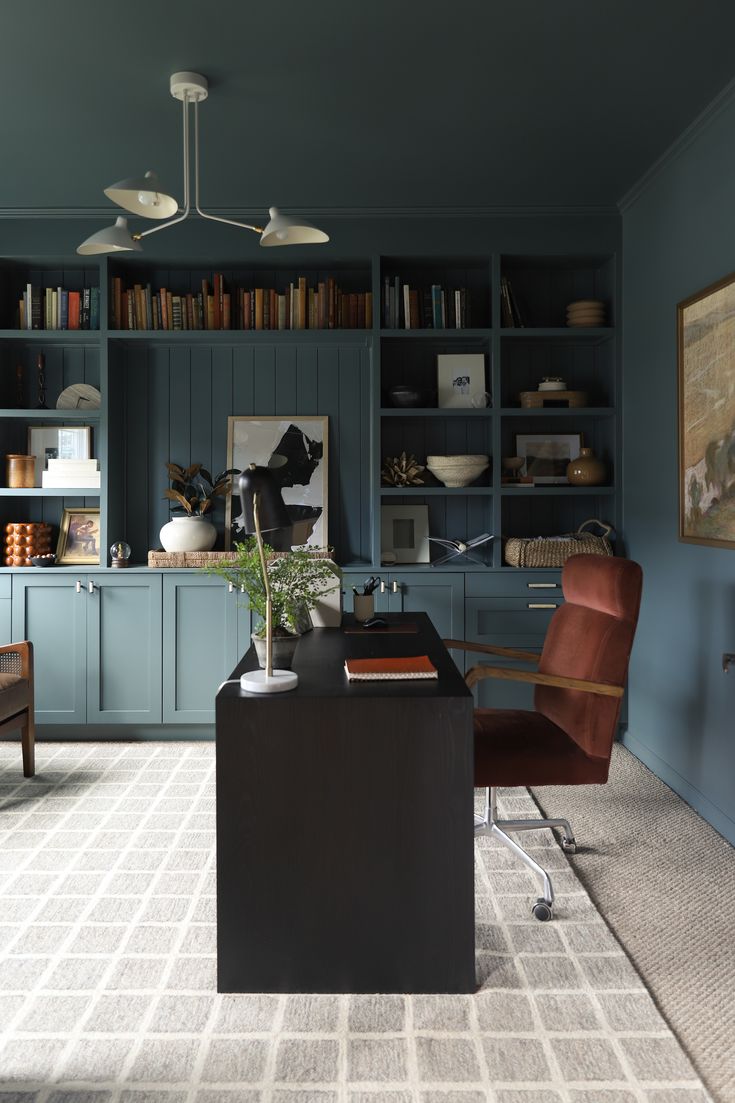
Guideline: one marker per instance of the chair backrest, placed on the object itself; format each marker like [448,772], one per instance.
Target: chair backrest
[590,636]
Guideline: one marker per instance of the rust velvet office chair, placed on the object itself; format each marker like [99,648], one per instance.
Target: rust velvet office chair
[567,739]
[16,698]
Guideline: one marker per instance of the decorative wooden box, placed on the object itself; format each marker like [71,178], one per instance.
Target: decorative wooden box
[534,400]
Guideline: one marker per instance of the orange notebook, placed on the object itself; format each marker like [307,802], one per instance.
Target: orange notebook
[368,670]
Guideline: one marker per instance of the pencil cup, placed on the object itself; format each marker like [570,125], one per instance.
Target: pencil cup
[364,606]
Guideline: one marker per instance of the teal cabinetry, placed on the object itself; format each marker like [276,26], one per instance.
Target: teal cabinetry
[441,596]
[205,632]
[96,642]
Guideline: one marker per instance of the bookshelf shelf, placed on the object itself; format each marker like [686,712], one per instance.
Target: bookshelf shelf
[558,411]
[218,337]
[435,491]
[50,492]
[52,415]
[557,491]
[436,334]
[433,411]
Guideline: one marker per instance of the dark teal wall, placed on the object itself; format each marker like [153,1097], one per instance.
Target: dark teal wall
[678,237]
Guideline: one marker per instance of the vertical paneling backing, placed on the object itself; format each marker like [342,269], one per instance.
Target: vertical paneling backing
[178,401]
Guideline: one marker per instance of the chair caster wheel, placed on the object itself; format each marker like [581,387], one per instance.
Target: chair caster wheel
[542,910]
[568,844]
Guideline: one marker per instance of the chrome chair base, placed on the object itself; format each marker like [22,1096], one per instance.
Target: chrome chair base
[489,824]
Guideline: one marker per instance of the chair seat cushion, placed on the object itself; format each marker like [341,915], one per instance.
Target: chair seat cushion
[518,747]
[14,695]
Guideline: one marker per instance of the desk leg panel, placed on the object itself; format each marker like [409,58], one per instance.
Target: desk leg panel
[345,845]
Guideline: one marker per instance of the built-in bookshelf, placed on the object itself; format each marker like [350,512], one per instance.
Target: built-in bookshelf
[336,340]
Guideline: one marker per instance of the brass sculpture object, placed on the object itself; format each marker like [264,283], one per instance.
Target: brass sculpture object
[401,470]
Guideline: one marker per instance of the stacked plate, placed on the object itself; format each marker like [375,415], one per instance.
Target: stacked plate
[586,312]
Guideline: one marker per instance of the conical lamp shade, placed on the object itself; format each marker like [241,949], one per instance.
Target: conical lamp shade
[113,239]
[143,195]
[284,230]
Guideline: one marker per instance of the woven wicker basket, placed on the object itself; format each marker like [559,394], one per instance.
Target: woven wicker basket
[212,558]
[553,551]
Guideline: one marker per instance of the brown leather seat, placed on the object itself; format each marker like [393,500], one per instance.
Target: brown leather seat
[567,739]
[16,698]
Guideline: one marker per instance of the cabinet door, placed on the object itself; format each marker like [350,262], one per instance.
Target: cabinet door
[123,648]
[48,610]
[441,596]
[200,645]
[506,622]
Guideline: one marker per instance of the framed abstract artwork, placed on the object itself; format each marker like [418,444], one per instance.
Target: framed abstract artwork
[295,449]
[706,362]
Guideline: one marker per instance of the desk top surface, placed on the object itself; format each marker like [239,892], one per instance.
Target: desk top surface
[321,653]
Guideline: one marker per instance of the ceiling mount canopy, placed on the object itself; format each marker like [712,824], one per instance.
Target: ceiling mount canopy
[147,197]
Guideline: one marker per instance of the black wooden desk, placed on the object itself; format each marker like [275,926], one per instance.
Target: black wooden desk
[344,825]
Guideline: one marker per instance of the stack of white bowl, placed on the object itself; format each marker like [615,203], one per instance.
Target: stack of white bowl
[457,470]
[586,312]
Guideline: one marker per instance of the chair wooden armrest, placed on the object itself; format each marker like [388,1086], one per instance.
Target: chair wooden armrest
[492,649]
[25,652]
[477,673]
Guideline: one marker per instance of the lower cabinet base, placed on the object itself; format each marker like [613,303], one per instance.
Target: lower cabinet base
[123,733]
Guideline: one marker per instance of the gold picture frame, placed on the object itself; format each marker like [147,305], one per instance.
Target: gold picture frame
[705,339]
[79,537]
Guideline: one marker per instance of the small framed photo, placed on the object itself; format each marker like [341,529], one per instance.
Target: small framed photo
[460,380]
[546,455]
[296,451]
[79,537]
[58,442]
[404,533]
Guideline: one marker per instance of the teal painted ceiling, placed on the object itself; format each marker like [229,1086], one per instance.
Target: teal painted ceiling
[344,105]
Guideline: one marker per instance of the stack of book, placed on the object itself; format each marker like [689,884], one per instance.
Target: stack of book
[434,307]
[56,308]
[77,474]
[297,307]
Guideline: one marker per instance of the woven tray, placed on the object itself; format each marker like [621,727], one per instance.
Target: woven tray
[187,559]
[534,400]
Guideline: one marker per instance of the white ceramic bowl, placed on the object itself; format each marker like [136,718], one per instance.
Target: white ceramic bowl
[457,470]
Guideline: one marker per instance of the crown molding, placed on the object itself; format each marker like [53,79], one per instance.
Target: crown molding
[696,128]
[250,213]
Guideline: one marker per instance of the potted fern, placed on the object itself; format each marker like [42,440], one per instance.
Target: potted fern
[297,580]
[194,491]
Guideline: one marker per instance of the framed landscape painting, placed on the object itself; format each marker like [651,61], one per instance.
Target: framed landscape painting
[296,451]
[706,355]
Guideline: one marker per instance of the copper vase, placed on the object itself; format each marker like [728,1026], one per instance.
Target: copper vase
[586,470]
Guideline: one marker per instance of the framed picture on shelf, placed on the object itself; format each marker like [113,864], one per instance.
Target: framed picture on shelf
[460,380]
[58,442]
[546,455]
[79,537]
[404,533]
[295,449]
[705,335]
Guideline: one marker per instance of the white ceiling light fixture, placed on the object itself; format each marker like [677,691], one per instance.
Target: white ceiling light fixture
[145,196]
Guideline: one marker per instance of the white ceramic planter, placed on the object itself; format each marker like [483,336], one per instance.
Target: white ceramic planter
[188,534]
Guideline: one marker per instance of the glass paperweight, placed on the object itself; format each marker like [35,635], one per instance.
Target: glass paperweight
[120,553]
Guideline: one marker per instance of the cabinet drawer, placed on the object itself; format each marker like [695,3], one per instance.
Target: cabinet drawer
[526,617]
[499,583]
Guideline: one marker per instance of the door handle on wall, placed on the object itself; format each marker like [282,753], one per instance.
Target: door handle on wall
[728,660]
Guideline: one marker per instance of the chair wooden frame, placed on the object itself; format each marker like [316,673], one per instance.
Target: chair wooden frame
[23,718]
[476,673]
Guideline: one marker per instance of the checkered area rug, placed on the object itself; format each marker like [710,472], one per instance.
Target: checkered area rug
[107,968]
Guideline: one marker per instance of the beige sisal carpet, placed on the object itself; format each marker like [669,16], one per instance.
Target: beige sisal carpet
[665,882]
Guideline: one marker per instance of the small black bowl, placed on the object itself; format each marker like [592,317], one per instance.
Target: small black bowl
[402,395]
[43,560]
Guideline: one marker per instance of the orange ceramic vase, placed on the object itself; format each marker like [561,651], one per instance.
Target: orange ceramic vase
[586,470]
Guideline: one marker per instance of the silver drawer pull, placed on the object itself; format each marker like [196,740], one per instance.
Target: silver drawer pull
[541,605]
[543,585]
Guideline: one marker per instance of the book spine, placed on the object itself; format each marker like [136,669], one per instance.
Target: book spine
[259,310]
[86,307]
[226,310]
[205,297]
[301,314]
[64,310]
[246,312]
[406,306]
[368,310]
[217,293]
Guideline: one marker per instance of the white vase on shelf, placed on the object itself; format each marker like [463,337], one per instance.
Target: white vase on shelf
[188,534]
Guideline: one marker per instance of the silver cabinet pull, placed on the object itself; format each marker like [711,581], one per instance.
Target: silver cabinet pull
[382,587]
[230,587]
[541,605]
[396,587]
[91,587]
[242,588]
[543,585]
[78,586]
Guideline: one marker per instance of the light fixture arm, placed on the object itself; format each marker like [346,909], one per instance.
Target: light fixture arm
[184,212]
[198,209]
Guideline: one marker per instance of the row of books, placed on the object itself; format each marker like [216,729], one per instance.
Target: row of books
[510,313]
[80,474]
[298,307]
[56,308]
[434,307]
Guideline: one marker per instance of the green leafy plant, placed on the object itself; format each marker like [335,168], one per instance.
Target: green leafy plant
[297,580]
[194,489]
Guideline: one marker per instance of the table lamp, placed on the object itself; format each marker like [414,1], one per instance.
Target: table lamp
[263,510]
